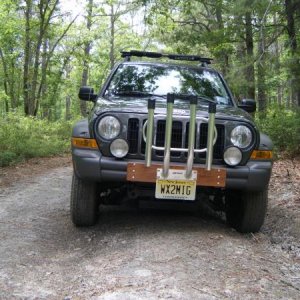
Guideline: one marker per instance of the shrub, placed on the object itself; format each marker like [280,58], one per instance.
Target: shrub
[283,126]
[7,157]
[26,137]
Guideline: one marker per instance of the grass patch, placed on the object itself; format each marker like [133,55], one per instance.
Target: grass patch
[26,137]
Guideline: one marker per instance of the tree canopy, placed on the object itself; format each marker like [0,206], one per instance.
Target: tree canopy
[47,51]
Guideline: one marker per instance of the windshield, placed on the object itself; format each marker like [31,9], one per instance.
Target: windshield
[136,79]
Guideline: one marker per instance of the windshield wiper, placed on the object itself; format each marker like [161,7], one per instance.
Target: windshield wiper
[138,94]
[203,98]
[188,96]
[146,94]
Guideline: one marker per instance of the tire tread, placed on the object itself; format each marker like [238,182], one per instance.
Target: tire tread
[83,204]
[246,211]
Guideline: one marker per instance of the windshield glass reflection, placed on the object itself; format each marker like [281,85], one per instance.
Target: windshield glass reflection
[135,79]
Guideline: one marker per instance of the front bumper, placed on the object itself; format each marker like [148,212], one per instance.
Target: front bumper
[91,165]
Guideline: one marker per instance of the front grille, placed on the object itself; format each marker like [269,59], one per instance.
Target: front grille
[219,145]
[176,139]
[179,138]
[133,135]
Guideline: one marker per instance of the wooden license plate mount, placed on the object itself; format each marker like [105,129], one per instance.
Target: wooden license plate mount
[138,172]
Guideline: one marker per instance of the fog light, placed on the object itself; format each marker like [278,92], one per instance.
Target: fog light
[232,156]
[119,148]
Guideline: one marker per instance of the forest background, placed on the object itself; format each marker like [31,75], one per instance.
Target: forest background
[49,48]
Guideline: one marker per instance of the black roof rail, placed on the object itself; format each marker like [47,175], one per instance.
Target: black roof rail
[127,55]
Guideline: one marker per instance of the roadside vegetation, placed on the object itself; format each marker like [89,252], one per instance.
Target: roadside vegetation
[283,126]
[26,137]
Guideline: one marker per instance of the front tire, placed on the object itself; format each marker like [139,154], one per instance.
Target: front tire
[245,211]
[84,202]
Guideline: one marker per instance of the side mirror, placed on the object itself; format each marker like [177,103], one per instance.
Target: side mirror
[248,105]
[86,93]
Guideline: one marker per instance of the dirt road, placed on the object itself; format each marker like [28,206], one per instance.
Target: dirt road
[142,253]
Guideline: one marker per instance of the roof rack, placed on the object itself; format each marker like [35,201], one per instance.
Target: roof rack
[127,55]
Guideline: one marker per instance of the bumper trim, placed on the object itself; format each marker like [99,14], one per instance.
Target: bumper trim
[91,165]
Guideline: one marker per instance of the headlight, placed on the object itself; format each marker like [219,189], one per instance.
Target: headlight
[109,127]
[241,136]
[119,148]
[232,156]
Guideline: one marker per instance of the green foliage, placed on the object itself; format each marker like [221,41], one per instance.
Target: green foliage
[26,137]
[283,126]
[7,157]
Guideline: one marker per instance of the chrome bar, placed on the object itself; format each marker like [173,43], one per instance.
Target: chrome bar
[168,134]
[191,142]
[149,136]
[210,135]
[181,149]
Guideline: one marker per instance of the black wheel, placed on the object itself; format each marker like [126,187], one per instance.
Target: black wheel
[245,211]
[84,202]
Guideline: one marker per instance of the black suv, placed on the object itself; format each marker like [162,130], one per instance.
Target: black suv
[170,132]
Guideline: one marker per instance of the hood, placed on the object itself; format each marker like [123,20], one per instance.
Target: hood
[139,106]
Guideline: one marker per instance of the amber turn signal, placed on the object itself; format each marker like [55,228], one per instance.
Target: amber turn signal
[262,154]
[84,143]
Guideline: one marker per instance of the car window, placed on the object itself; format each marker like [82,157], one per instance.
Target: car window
[168,79]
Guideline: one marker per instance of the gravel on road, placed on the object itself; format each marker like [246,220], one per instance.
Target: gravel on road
[151,252]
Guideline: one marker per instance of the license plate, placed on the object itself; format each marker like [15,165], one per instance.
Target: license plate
[175,185]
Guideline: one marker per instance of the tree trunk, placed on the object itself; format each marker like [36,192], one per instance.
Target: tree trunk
[13,90]
[277,63]
[27,58]
[43,84]
[19,85]
[112,37]
[224,56]
[42,87]
[68,107]
[68,97]
[261,80]
[5,80]
[32,60]
[33,103]
[87,50]
[250,76]
[290,9]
